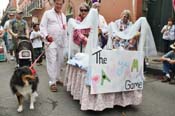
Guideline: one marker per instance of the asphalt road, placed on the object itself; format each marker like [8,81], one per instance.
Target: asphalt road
[158,99]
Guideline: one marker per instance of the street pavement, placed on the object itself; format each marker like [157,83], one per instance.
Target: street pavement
[158,98]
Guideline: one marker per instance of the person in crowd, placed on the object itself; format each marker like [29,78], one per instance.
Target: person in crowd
[168,61]
[53,30]
[80,36]
[168,32]
[102,25]
[18,28]
[3,50]
[10,42]
[133,43]
[122,25]
[1,32]
[36,40]
[5,40]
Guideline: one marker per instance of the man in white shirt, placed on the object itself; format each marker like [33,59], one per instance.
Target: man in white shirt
[53,29]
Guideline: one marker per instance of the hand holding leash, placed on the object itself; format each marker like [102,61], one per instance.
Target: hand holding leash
[31,67]
[49,38]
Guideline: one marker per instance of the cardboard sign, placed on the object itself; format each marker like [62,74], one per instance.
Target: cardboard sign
[116,71]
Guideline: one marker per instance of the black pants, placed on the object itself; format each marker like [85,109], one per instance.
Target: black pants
[37,52]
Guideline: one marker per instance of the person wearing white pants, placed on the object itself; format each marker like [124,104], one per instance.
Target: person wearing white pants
[54,61]
[53,29]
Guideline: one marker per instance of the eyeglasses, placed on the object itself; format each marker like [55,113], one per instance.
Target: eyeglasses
[84,10]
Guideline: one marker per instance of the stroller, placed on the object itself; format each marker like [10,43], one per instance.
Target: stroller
[3,51]
[24,52]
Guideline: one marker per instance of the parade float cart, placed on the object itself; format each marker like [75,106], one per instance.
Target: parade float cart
[109,81]
[101,79]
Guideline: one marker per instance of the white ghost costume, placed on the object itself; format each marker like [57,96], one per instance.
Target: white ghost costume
[146,40]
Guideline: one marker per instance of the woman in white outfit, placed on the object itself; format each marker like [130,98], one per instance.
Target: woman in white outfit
[53,29]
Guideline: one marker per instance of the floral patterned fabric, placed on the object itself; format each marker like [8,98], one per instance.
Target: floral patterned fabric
[75,83]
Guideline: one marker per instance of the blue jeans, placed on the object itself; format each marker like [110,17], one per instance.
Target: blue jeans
[167,67]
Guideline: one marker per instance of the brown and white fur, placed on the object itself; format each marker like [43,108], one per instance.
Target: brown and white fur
[23,83]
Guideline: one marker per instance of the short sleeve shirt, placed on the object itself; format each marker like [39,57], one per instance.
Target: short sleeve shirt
[19,26]
[170,54]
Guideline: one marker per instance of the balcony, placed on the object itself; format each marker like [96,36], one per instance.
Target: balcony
[26,12]
[35,5]
[19,2]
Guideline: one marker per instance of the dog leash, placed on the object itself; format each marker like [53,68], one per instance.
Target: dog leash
[32,65]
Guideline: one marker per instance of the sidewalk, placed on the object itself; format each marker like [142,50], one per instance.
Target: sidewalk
[154,67]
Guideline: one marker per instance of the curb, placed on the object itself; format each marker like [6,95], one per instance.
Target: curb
[153,71]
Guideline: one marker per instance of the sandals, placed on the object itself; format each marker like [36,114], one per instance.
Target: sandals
[53,88]
[59,83]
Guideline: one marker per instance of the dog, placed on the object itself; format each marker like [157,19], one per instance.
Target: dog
[22,84]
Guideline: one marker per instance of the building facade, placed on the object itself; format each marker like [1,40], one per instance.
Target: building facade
[156,11]
[110,9]
[10,7]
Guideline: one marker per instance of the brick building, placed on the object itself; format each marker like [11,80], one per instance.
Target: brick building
[110,9]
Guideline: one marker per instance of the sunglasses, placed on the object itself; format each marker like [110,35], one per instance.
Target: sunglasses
[84,10]
[126,16]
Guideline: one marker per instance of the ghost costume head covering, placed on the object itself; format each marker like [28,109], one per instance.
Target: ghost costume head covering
[172,46]
[94,1]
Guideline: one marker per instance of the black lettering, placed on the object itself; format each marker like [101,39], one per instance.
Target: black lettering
[127,87]
[99,59]
[105,61]
[130,86]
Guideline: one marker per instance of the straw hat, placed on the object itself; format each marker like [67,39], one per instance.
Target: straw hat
[19,11]
[172,46]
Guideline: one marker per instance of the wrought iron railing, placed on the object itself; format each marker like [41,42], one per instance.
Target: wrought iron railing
[35,4]
[26,12]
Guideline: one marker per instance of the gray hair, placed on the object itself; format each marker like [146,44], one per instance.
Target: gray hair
[127,13]
[84,5]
